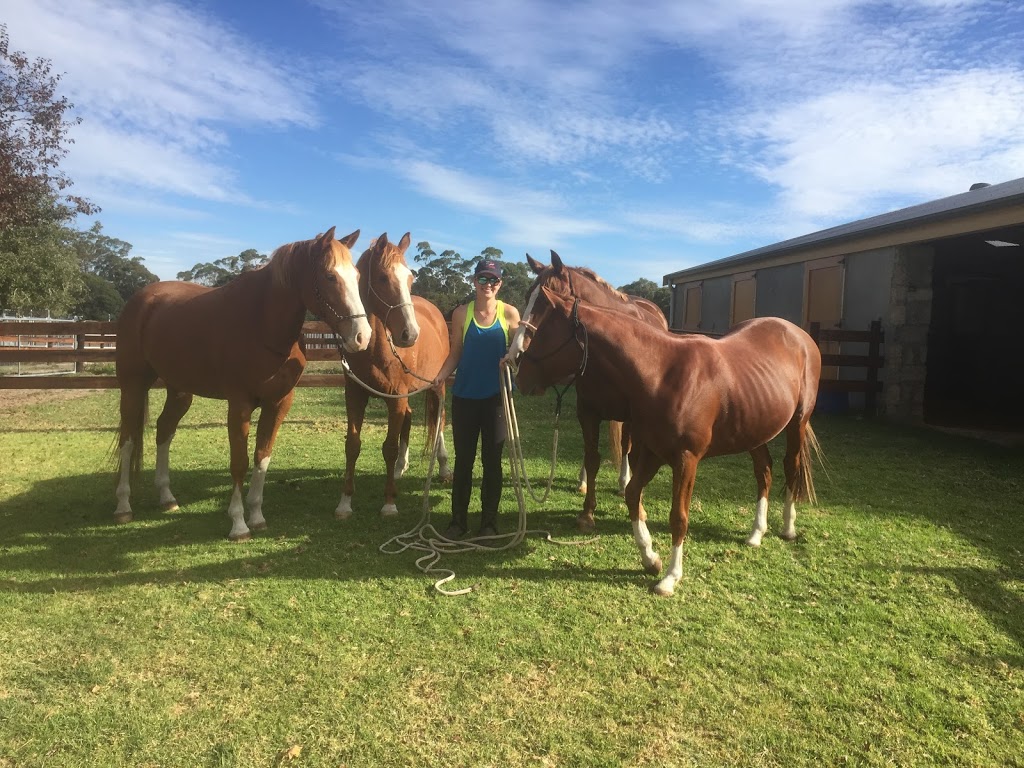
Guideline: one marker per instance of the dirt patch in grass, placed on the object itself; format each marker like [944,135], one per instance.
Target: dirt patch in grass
[15,399]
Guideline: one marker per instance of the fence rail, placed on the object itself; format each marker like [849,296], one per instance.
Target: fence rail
[872,362]
[95,341]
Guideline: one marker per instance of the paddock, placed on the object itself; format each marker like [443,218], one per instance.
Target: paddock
[890,632]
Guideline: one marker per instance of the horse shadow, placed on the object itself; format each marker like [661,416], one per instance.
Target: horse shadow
[60,536]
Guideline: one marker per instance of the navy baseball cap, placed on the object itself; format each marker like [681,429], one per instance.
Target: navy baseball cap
[488,267]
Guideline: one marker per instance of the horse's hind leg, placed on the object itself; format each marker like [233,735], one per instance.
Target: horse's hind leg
[175,406]
[625,441]
[435,420]
[645,467]
[798,470]
[271,417]
[239,416]
[134,397]
[763,474]
[590,425]
[402,460]
[684,472]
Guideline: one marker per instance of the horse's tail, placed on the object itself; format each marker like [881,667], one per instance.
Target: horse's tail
[134,417]
[805,482]
[615,442]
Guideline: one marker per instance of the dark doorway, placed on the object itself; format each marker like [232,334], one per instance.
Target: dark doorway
[974,342]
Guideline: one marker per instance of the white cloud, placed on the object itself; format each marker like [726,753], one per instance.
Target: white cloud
[157,84]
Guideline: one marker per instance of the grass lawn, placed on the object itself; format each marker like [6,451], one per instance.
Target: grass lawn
[890,633]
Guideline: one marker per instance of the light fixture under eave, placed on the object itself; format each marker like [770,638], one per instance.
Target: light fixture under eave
[1002,244]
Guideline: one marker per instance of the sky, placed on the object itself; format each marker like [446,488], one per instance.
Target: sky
[635,138]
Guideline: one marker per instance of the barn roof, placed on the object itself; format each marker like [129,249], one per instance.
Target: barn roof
[983,198]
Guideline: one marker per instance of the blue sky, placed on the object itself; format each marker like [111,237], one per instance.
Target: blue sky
[636,138]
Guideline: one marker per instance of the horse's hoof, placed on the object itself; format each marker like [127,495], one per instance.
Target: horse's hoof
[123,517]
[239,537]
[662,591]
[446,478]
[342,514]
[388,510]
[788,536]
[258,526]
[171,506]
[653,568]
[585,523]
[583,488]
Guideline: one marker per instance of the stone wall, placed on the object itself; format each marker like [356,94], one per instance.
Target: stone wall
[906,333]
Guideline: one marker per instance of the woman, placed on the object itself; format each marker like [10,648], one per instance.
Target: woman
[480,334]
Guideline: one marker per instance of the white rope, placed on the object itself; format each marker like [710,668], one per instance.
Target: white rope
[423,537]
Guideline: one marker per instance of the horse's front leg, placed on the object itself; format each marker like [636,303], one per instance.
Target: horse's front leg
[239,415]
[644,468]
[355,409]
[398,415]
[683,474]
[402,461]
[590,425]
[271,417]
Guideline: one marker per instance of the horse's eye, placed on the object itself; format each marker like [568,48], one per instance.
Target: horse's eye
[330,277]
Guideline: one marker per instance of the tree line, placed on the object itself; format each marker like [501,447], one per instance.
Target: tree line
[48,265]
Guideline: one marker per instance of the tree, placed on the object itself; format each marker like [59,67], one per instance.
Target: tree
[442,279]
[222,271]
[99,300]
[107,258]
[33,139]
[39,270]
[648,289]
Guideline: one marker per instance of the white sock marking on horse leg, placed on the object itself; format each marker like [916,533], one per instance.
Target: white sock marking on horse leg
[760,523]
[667,585]
[162,476]
[344,509]
[583,479]
[443,472]
[254,500]
[124,490]
[624,475]
[402,462]
[642,536]
[789,517]
[236,511]
[389,510]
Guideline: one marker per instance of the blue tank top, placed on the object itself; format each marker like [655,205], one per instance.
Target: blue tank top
[477,377]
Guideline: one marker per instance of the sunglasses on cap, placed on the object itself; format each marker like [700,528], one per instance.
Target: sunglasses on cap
[486,280]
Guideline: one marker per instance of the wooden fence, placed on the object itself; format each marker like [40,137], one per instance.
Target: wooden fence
[94,341]
[872,362]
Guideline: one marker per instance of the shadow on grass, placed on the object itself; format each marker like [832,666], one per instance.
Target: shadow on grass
[65,526]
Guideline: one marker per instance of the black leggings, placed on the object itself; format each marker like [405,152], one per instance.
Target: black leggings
[473,420]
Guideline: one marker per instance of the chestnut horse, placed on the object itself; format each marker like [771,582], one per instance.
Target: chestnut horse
[242,343]
[398,320]
[687,398]
[588,286]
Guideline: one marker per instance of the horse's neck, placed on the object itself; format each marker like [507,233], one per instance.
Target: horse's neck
[281,313]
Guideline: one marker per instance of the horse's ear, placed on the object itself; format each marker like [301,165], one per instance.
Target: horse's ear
[348,240]
[556,262]
[403,244]
[381,241]
[535,265]
[325,238]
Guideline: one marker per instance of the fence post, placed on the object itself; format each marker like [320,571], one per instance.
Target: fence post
[871,396]
[79,346]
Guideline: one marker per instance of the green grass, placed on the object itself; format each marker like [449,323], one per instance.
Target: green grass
[890,633]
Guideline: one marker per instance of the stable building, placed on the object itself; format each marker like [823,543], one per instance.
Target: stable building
[944,278]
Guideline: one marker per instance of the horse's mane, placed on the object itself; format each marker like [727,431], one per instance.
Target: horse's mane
[286,258]
[594,278]
[390,255]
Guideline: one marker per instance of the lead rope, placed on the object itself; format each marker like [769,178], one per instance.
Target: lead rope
[423,537]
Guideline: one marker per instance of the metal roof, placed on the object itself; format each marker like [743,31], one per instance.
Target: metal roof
[973,201]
